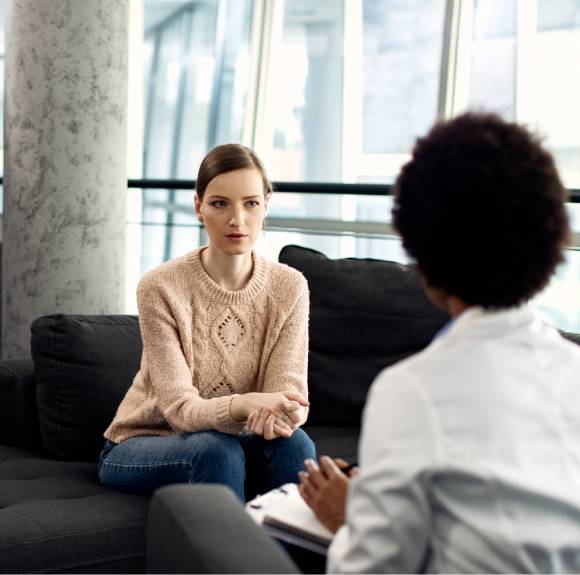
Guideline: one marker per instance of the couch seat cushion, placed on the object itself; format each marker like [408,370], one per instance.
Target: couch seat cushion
[55,517]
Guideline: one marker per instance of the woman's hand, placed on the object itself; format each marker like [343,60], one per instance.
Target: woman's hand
[263,422]
[325,490]
[284,405]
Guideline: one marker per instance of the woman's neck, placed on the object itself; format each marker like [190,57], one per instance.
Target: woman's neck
[442,299]
[229,271]
[456,306]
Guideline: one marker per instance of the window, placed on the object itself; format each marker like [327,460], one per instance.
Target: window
[350,86]
[520,62]
[338,91]
[196,66]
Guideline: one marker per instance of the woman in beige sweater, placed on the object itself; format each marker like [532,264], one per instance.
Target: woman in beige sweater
[222,392]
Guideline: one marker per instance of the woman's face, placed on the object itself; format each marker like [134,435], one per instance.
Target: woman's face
[233,210]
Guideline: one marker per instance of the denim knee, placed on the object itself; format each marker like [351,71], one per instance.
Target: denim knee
[217,458]
[298,447]
[285,457]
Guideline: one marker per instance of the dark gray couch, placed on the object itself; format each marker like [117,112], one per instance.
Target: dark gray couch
[54,515]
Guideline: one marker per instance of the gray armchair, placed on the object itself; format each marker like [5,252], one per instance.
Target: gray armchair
[205,529]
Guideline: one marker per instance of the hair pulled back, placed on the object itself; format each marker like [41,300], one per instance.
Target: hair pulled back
[227,158]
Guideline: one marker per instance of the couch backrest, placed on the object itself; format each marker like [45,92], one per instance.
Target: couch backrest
[83,366]
[18,413]
[365,315]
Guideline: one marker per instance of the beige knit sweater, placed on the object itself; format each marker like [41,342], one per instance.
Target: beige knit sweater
[203,344]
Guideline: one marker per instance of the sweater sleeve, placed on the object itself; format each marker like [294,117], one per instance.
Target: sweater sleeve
[171,378]
[287,368]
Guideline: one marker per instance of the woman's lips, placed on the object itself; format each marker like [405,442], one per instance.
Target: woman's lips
[236,237]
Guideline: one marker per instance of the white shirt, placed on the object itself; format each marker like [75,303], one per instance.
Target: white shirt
[470,455]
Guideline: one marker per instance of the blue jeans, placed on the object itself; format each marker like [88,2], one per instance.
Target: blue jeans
[247,463]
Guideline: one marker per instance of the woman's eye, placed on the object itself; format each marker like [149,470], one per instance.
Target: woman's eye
[218,204]
[252,203]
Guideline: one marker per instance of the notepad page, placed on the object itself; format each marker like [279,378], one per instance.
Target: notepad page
[292,510]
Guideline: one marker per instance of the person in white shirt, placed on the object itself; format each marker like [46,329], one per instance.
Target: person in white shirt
[470,450]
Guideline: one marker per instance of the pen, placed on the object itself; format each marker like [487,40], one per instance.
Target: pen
[348,468]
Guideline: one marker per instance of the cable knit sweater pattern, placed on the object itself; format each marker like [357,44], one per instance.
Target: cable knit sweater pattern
[202,345]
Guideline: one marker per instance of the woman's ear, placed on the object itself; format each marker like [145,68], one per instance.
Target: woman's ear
[197,204]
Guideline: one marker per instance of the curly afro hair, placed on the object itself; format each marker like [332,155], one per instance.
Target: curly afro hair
[480,207]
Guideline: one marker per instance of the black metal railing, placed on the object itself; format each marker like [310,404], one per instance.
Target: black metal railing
[300,187]
[293,187]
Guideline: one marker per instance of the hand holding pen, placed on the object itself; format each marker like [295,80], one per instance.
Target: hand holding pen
[324,488]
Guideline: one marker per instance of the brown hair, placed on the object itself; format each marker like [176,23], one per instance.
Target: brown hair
[227,158]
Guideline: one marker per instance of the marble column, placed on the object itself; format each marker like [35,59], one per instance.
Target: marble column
[64,162]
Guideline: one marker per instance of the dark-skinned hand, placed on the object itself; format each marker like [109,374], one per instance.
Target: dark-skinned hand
[324,488]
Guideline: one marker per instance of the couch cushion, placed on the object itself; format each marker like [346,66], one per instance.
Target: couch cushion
[364,315]
[55,517]
[335,441]
[83,366]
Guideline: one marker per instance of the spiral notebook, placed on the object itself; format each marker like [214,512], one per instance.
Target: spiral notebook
[284,515]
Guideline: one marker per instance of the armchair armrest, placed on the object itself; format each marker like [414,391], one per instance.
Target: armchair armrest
[205,529]
[18,412]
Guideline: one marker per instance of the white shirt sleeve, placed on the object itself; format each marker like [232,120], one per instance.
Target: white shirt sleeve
[388,517]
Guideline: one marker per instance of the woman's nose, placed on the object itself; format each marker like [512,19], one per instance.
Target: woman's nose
[236,217]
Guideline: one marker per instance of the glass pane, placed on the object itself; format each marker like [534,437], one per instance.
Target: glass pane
[377,248]
[524,58]
[306,99]
[306,109]
[196,61]
[402,57]
[313,207]
[558,14]
[216,83]
[170,227]
[494,19]
[161,94]
[493,53]
[559,304]
[553,91]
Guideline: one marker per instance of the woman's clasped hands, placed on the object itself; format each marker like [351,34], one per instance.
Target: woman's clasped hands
[270,415]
